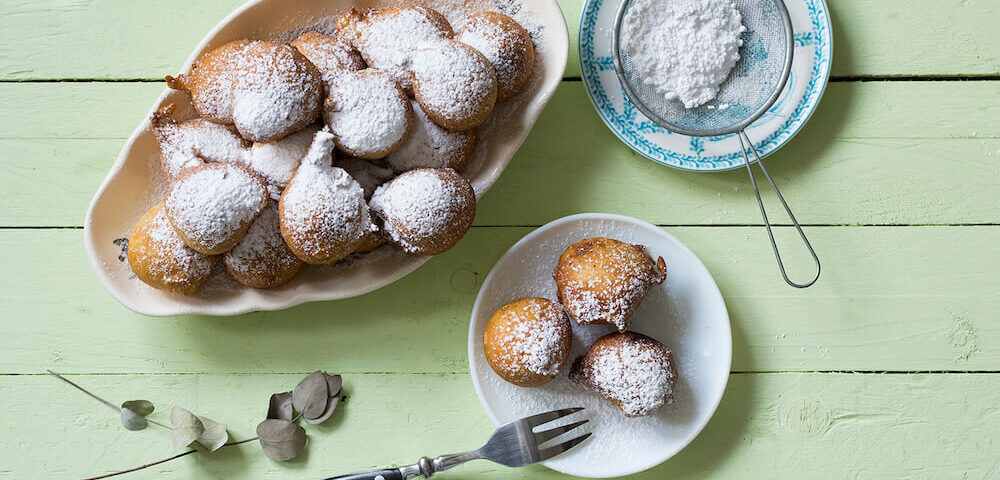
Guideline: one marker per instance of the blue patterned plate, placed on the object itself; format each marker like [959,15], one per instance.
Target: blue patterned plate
[810,72]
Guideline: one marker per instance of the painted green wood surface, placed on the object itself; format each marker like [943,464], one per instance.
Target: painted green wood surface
[769,426]
[901,180]
[125,39]
[836,171]
[874,309]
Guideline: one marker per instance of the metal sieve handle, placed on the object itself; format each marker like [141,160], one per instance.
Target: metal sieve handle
[781,266]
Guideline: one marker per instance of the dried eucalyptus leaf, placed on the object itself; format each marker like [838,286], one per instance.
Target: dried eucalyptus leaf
[334,383]
[141,407]
[134,412]
[214,436]
[133,421]
[186,426]
[281,440]
[311,395]
[280,406]
[330,407]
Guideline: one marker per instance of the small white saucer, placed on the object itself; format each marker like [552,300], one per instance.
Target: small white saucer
[686,313]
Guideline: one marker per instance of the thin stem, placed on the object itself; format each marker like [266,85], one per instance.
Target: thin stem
[179,455]
[84,390]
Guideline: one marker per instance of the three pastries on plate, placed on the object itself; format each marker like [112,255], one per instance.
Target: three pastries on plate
[599,281]
[334,144]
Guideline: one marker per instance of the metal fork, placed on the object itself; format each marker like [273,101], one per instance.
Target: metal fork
[513,445]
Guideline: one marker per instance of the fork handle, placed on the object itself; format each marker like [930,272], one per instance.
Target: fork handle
[388,474]
[424,468]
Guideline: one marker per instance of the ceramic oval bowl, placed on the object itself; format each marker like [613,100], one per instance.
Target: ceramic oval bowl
[135,183]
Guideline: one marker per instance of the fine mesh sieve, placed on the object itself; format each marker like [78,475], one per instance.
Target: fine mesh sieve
[752,87]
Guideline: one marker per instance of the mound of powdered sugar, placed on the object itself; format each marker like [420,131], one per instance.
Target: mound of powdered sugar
[276,162]
[367,113]
[191,143]
[211,204]
[684,49]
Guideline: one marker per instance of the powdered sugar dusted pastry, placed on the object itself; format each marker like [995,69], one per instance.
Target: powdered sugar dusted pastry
[527,341]
[633,371]
[193,142]
[426,211]
[212,81]
[331,55]
[212,205]
[278,92]
[368,114]
[368,173]
[276,162]
[506,44]
[261,259]
[430,146]
[266,89]
[323,211]
[454,83]
[386,37]
[160,258]
[602,280]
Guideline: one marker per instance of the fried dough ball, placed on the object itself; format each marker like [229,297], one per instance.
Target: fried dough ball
[602,280]
[527,341]
[160,258]
[323,213]
[261,259]
[278,92]
[426,211]
[268,90]
[431,146]
[193,142]
[212,80]
[454,83]
[368,114]
[631,370]
[331,55]
[276,162]
[212,205]
[506,44]
[386,37]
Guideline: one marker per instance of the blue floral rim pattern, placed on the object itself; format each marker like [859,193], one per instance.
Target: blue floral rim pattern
[636,131]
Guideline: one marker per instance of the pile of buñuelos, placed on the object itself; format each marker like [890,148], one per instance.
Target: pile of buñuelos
[308,152]
[598,281]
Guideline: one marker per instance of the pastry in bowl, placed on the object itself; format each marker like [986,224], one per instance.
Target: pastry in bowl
[426,211]
[506,44]
[262,259]
[160,258]
[527,341]
[603,280]
[631,370]
[454,83]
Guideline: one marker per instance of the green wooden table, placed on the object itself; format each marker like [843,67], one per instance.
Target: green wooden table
[888,368]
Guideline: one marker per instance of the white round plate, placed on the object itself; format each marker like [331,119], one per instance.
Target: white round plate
[808,78]
[686,313]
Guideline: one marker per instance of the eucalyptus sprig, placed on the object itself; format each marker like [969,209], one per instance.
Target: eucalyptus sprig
[314,399]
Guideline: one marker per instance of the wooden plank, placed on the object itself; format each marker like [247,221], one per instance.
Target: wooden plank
[890,299]
[773,426]
[123,39]
[834,172]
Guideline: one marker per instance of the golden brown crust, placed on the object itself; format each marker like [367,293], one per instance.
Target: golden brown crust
[212,72]
[161,260]
[196,240]
[262,259]
[603,281]
[527,341]
[506,44]
[456,99]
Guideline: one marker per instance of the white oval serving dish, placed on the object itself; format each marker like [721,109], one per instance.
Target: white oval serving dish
[135,183]
[686,313]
